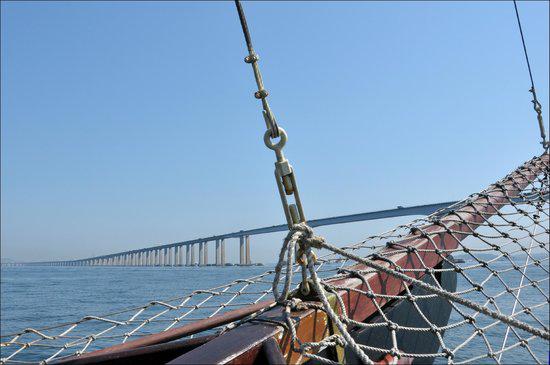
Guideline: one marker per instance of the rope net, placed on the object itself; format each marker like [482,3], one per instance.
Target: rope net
[467,284]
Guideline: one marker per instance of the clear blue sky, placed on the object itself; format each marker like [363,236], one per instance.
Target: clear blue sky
[133,123]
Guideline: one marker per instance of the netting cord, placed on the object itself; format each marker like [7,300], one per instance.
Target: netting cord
[536,105]
[301,235]
[513,311]
[439,292]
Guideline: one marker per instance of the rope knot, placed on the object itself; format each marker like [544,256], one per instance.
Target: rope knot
[299,241]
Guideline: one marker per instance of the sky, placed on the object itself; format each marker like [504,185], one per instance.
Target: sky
[130,124]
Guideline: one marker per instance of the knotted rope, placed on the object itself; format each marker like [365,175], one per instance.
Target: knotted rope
[302,235]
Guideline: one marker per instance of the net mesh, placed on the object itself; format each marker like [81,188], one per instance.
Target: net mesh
[488,254]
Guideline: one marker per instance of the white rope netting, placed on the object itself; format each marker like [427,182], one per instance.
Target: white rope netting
[484,263]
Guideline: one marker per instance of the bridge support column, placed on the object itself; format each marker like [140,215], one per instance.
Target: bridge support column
[247,257]
[241,250]
[192,254]
[180,250]
[205,259]
[201,253]
[176,255]
[187,255]
[222,253]
[217,252]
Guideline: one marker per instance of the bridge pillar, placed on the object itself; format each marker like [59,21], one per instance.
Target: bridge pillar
[205,260]
[176,255]
[247,257]
[180,250]
[192,254]
[187,255]
[241,250]
[217,252]
[222,253]
[201,253]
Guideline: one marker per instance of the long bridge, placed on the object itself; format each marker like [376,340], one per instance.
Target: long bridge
[172,254]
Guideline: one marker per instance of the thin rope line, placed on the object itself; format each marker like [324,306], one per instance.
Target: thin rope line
[524,46]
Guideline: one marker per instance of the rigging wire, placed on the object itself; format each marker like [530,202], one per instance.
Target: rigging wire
[536,105]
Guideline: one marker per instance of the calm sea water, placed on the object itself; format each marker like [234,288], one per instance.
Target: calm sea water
[42,296]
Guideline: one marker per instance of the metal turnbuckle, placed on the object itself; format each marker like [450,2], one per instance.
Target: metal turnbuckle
[286,181]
